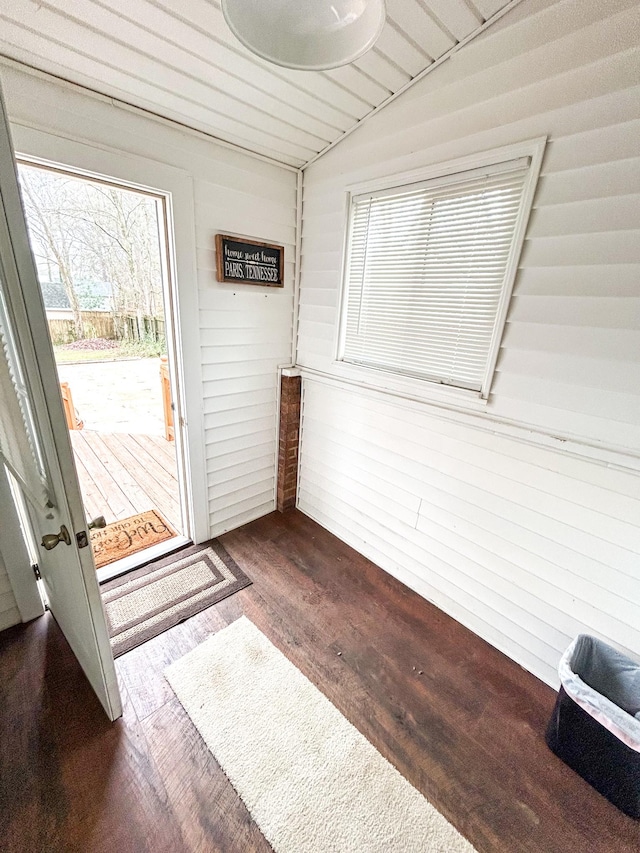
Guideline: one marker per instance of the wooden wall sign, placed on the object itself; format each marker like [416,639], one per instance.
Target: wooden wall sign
[244,261]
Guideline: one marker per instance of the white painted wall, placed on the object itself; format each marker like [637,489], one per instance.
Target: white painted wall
[527,535]
[9,613]
[243,333]
[20,599]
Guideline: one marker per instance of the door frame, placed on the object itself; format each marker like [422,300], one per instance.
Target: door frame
[175,187]
[18,549]
[69,576]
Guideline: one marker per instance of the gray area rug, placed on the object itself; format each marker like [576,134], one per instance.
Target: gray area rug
[144,603]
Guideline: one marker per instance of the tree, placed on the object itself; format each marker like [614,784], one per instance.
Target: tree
[90,231]
[51,231]
[127,250]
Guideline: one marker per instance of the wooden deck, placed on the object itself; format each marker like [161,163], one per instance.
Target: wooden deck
[122,474]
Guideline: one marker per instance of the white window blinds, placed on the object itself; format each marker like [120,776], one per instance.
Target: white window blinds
[20,447]
[426,269]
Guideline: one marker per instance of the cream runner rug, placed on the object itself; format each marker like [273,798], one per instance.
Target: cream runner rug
[310,780]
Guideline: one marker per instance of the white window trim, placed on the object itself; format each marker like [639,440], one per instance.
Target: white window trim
[420,388]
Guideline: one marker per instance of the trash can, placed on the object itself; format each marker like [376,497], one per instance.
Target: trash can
[595,725]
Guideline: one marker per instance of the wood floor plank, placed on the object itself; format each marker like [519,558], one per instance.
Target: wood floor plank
[165,501]
[150,693]
[428,725]
[145,457]
[113,495]
[165,451]
[117,484]
[461,721]
[69,779]
[210,812]
[369,683]
[157,482]
[119,472]
[93,501]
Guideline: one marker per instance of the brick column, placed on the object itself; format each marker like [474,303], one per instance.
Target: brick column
[290,389]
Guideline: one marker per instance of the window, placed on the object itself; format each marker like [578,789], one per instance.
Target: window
[429,270]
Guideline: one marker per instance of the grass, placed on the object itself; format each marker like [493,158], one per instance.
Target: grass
[75,356]
[127,349]
[144,348]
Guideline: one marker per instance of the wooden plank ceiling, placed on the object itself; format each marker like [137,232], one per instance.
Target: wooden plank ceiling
[181,61]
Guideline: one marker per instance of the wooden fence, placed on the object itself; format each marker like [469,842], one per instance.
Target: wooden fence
[137,328]
[112,327]
[97,324]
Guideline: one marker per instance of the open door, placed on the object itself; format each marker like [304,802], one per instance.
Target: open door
[101,256]
[55,510]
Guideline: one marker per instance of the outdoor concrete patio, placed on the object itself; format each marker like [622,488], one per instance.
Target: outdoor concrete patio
[117,396]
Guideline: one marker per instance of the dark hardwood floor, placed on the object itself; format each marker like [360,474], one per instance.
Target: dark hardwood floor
[463,723]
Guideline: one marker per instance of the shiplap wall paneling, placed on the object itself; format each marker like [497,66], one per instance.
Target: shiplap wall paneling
[244,332]
[181,60]
[526,546]
[497,533]
[245,335]
[576,296]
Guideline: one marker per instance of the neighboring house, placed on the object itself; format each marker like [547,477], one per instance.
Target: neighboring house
[92,296]
[519,515]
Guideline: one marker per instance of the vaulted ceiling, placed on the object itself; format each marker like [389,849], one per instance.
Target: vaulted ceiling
[180,60]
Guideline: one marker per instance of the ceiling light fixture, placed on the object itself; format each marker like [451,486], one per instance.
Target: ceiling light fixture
[311,35]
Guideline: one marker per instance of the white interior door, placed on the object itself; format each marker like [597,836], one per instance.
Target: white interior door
[67,569]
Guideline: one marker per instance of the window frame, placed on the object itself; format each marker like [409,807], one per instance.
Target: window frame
[422,387]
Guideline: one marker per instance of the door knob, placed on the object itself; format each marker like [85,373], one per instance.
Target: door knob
[98,521]
[50,540]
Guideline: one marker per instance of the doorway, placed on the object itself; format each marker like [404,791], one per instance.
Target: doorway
[101,252]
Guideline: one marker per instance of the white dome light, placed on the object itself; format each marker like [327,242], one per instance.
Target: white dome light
[311,35]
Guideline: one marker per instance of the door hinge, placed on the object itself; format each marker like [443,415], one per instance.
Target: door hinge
[36,571]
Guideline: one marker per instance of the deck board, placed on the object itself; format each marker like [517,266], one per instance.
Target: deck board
[122,474]
[146,456]
[167,449]
[110,492]
[145,474]
[107,448]
[91,497]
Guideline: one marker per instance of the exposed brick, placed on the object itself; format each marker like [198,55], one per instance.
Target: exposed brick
[290,391]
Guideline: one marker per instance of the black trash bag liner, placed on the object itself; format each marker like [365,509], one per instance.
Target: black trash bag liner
[595,725]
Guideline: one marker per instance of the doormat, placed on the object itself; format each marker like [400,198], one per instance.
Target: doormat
[154,598]
[128,536]
[310,780]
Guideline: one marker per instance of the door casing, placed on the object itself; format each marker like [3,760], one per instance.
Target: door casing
[68,570]
[175,187]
